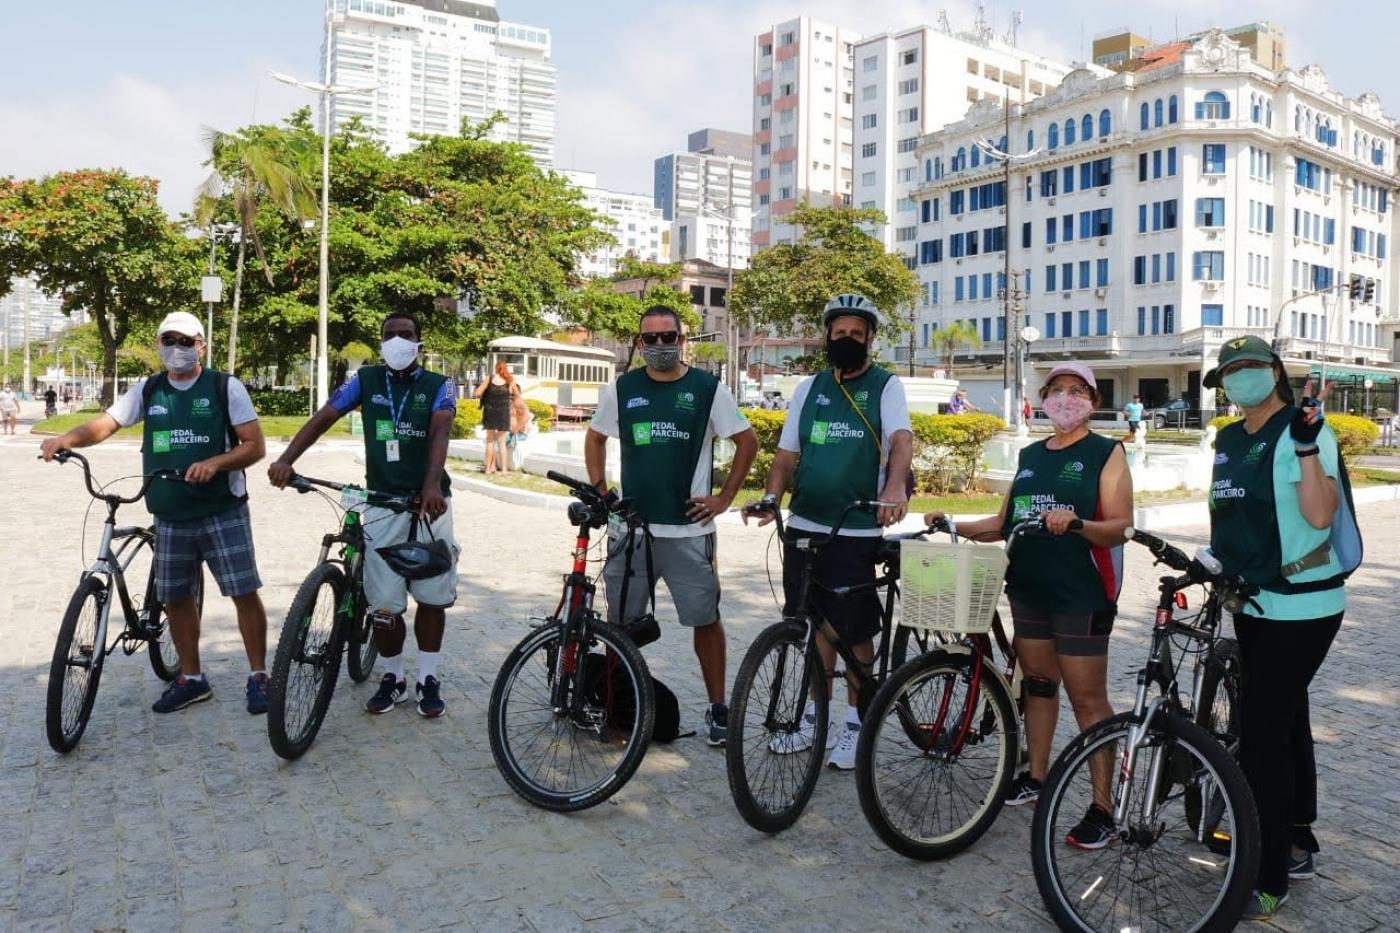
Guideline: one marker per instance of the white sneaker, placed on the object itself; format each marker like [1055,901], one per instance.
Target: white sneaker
[790,743]
[844,757]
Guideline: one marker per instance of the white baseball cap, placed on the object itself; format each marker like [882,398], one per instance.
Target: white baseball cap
[181,322]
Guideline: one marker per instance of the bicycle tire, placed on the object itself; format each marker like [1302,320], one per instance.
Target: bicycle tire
[1179,739]
[165,660]
[1220,681]
[755,806]
[292,729]
[361,650]
[891,731]
[922,642]
[637,738]
[67,710]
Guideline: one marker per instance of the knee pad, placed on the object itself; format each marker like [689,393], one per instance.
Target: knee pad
[1038,686]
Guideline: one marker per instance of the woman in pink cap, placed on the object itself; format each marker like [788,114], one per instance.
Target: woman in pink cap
[1064,591]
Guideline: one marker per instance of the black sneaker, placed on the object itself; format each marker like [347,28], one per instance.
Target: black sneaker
[1302,867]
[1263,906]
[1095,831]
[430,705]
[257,694]
[390,694]
[717,721]
[1025,789]
[183,692]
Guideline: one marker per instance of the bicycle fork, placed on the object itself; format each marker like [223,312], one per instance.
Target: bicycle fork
[1144,711]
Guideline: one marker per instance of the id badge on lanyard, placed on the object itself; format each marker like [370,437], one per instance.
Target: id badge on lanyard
[391,443]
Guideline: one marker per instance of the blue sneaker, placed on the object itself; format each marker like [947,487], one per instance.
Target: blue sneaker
[182,692]
[257,693]
[430,705]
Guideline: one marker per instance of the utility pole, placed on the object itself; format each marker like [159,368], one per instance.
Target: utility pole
[1007,320]
[209,329]
[734,381]
[24,310]
[6,335]
[1014,298]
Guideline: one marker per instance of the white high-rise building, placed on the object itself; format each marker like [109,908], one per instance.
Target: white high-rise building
[45,313]
[714,172]
[713,238]
[1168,210]
[914,81]
[802,122]
[633,220]
[436,62]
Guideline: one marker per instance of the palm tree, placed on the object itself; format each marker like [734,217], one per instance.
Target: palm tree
[946,341]
[251,169]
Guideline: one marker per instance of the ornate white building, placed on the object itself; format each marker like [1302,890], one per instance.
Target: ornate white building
[1156,214]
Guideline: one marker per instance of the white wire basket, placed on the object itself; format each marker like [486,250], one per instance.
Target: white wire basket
[950,587]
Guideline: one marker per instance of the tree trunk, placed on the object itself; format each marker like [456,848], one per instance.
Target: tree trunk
[237,302]
[109,349]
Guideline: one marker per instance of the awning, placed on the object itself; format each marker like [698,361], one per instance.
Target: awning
[1354,375]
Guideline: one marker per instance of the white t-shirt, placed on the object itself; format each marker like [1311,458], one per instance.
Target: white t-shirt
[894,416]
[127,411]
[8,402]
[725,421]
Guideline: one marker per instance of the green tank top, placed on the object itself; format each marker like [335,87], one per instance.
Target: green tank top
[398,411]
[839,461]
[662,428]
[1243,515]
[1067,573]
[181,428]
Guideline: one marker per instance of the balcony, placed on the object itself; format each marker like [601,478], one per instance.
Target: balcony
[1299,348]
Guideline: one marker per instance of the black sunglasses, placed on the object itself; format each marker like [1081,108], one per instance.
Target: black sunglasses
[176,340]
[667,337]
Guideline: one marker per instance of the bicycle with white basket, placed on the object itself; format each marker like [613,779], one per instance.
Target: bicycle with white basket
[941,740]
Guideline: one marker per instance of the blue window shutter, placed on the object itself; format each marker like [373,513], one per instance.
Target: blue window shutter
[1200,111]
[1102,322]
[1142,320]
[1142,218]
[1142,116]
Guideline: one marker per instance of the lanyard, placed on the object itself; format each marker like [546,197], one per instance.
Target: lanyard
[397,413]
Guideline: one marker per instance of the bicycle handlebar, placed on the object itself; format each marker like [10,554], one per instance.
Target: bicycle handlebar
[816,542]
[304,484]
[1193,569]
[1172,556]
[63,456]
[589,494]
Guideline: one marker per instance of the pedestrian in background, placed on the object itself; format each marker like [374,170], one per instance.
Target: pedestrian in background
[520,427]
[496,394]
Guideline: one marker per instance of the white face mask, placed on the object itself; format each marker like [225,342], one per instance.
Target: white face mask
[179,359]
[398,352]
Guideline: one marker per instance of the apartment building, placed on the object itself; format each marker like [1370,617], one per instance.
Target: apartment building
[715,171]
[633,220]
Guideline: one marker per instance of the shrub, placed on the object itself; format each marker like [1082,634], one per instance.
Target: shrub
[768,426]
[468,419]
[1220,421]
[270,402]
[542,412]
[948,450]
[1355,435]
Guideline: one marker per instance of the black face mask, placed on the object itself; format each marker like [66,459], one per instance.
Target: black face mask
[846,353]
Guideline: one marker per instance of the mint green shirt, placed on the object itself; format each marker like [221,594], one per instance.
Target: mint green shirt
[1297,537]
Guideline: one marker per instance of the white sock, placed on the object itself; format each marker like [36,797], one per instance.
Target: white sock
[810,711]
[427,665]
[394,666]
[197,678]
[852,718]
[257,672]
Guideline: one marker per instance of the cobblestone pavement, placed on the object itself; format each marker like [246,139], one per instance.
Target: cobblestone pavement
[395,822]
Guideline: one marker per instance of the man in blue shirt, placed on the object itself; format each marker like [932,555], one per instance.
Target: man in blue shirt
[1134,412]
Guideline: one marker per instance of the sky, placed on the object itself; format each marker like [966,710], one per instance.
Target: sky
[133,83]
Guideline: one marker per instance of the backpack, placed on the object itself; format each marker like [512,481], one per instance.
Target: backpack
[1344,540]
[148,389]
[607,686]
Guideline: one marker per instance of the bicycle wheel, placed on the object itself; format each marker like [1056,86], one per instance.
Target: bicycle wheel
[772,759]
[307,663]
[165,660]
[928,788]
[361,649]
[577,755]
[1154,874]
[76,667]
[910,643]
[1218,714]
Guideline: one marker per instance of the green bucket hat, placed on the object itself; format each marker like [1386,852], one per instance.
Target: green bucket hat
[1241,348]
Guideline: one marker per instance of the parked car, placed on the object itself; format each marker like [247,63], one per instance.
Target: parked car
[1178,413]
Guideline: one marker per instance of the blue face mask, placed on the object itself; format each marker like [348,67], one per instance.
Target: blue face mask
[1248,387]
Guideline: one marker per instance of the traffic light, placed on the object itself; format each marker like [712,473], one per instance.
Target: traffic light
[1368,294]
[1354,288]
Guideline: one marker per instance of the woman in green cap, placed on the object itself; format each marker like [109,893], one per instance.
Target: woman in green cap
[1274,494]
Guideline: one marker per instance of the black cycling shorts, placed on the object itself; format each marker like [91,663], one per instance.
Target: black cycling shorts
[847,561]
[1076,634]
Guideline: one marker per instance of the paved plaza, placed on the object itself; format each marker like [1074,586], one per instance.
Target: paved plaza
[394,822]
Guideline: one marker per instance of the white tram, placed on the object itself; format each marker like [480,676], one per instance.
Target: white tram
[554,373]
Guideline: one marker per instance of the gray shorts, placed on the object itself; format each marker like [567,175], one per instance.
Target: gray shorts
[223,541]
[386,590]
[687,565]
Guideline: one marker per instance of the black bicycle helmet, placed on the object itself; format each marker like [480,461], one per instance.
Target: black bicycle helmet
[417,560]
[854,304]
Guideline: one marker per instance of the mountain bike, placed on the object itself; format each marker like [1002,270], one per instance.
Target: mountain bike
[1185,845]
[772,765]
[556,721]
[79,654]
[328,615]
[942,739]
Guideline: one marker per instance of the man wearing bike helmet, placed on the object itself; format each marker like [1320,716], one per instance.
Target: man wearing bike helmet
[666,417]
[847,437]
[408,414]
[202,423]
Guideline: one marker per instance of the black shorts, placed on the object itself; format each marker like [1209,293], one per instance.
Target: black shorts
[847,561]
[1076,634]
[1133,426]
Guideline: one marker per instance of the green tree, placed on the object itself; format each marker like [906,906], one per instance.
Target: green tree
[603,307]
[250,167]
[100,239]
[946,340]
[708,354]
[786,286]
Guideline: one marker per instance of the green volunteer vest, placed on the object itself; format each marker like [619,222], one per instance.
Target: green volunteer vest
[381,400]
[1066,573]
[839,461]
[180,429]
[662,428]
[1243,515]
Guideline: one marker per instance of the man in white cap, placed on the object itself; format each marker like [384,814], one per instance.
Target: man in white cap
[202,423]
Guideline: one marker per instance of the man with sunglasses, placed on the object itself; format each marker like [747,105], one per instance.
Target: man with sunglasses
[201,423]
[666,417]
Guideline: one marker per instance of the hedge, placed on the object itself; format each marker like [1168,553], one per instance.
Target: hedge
[280,401]
[1355,435]
[468,417]
[768,426]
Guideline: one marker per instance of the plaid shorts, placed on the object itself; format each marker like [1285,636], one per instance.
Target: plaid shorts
[223,541]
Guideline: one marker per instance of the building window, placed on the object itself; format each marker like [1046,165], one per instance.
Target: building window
[972,67]
[1157,112]
[1143,118]
[1105,123]
[1212,315]
[868,92]
[867,150]
[907,145]
[871,64]
[1086,128]
[909,86]
[909,56]
[1213,159]
[908,115]
[1171,109]
[1214,106]
[1054,136]
[1069,132]
[867,121]
[1210,212]
[1208,266]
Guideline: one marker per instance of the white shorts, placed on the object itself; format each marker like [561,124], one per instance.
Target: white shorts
[386,590]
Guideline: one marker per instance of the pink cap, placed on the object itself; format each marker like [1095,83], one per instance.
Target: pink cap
[1073,369]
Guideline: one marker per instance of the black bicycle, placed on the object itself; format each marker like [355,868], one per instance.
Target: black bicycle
[328,615]
[772,758]
[125,553]
[1185,846]
[569,724]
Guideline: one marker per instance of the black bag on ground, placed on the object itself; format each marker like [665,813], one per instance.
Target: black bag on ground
[608,685]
